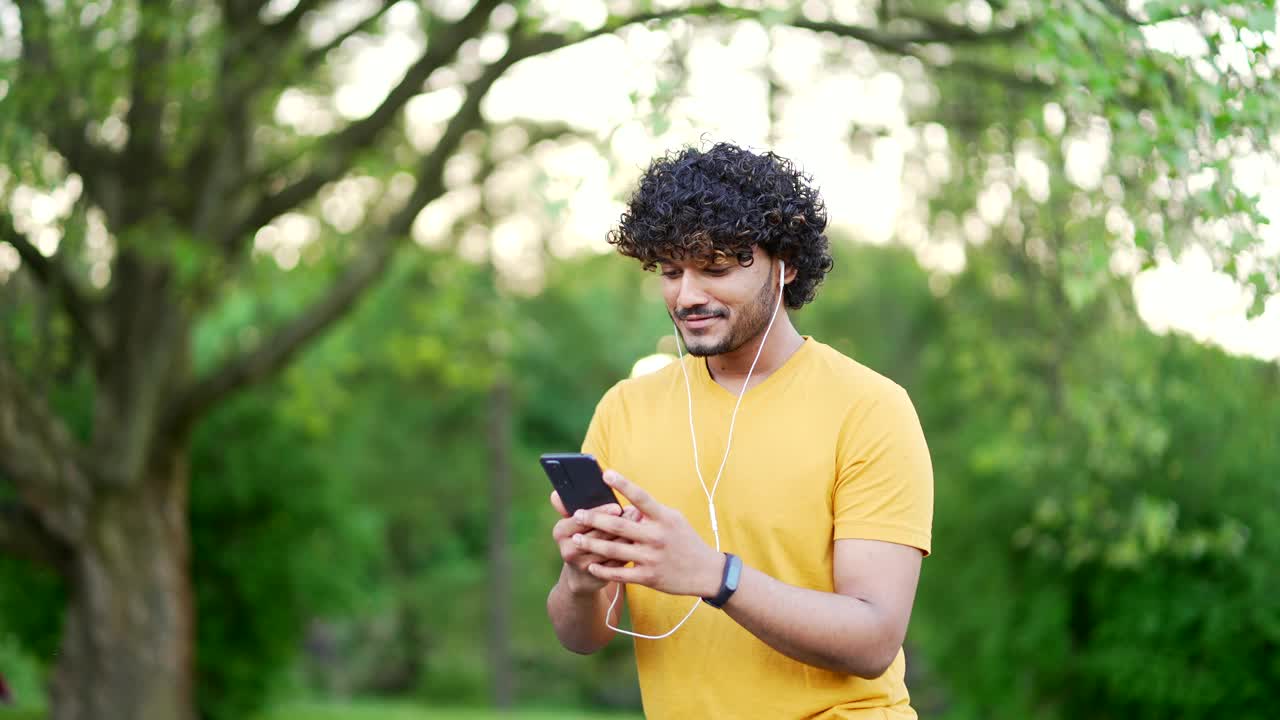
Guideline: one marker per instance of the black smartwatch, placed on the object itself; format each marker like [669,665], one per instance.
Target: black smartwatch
[728,581]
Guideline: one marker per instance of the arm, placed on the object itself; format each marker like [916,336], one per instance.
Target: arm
[577,602]
[578,615]
[857,629]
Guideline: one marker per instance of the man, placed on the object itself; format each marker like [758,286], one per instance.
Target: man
[813,467]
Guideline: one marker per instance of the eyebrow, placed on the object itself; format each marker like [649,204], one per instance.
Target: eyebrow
[719,261]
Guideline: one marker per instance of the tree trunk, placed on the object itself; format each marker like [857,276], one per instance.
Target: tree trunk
[129,637]
[499,552]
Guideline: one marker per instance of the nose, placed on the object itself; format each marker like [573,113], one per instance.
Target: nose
[689,292]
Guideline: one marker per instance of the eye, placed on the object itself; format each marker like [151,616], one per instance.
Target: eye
[671,273]
[718,271]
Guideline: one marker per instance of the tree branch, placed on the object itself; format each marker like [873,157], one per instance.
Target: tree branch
[95,165]
[84,315]
[258,44]
[218,161]
[41,459]
[279,346]
[334,158]
[1143,17]
[284,28]
[315,55]
[143,155]
[1000,75]
[940,30]
[912,46]
[898,44]
[1122,13]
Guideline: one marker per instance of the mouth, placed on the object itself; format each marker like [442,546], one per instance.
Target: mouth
[694,322]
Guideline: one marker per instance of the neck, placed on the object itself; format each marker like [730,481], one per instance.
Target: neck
[730,369]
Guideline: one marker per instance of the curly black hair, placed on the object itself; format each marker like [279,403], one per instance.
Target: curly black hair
[721,203]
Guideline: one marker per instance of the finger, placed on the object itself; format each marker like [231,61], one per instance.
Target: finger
[603,535]
[582,560]
[620,527]
[566,539]
[633,513]
[609,549]
[572,554]
[558,504]
[636,494]
[626,575]
[568,527]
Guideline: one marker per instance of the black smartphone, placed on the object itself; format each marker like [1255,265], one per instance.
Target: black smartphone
[578,479]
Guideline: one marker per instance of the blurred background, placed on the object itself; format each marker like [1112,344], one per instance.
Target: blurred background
[293,293]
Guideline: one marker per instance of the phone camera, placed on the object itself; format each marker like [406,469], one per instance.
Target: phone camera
[559,477]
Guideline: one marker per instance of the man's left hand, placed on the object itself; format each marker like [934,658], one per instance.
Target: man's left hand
[664,550]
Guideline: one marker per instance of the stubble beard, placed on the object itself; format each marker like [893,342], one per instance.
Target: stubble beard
[751,324]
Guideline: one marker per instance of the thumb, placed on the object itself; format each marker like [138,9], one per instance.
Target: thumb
[558,504]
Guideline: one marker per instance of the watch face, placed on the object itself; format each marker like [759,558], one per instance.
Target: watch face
[735,572]
[729,583]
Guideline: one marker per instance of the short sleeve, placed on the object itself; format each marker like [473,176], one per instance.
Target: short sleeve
[884,487]
[596,441]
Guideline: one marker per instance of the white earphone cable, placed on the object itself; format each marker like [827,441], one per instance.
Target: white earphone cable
[697,466]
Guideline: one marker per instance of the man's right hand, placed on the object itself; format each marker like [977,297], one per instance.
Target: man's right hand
[576,561]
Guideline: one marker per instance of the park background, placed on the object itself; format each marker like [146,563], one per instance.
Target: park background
[293,293]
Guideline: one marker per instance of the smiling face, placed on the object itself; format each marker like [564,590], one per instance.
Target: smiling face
[720,305]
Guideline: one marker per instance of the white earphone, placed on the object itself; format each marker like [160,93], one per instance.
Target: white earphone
[697,466]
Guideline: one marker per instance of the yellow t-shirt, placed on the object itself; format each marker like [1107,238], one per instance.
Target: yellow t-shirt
[823,449]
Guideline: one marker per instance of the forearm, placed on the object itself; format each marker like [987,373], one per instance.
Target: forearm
[578,618]
[827,630]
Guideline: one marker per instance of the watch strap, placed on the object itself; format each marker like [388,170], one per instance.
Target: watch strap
[728,581]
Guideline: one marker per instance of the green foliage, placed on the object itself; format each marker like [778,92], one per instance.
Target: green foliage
[30,610]
[276,540]
[1170,94]
[23,672]
[1105,515]
[1106,499]
[398,398]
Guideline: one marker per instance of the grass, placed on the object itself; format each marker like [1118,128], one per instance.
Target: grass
[411,711]
[371,710]
[392,711]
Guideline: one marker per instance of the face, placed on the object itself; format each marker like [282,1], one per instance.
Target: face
[720,306]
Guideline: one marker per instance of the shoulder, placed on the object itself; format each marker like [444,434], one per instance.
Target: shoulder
[860,401]
[632,392]
[843,377]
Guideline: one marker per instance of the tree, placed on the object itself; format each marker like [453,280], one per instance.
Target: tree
[1108,500]
[152,125]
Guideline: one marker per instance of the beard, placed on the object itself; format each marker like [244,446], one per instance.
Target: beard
[749,324]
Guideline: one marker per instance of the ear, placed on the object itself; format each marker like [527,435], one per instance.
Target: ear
[789,274]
